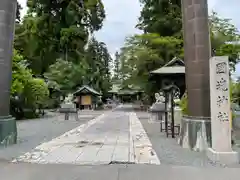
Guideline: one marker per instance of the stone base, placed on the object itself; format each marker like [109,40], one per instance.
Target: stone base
[68,106]
[195,133]
[68,110]
[227,158]
[8,131]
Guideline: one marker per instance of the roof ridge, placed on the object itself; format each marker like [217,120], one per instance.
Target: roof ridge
[173,61]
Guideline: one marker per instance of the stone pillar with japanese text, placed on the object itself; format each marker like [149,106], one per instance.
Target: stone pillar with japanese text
[221,150]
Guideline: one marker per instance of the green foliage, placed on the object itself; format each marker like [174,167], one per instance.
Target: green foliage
[55,29]
[32,93]
[93,70]
[20,74]
[53,38]
[184,104]
[224,38]
[235,89]
[60,74]
[98,74]
[162,40]
[161,22]
[65,76]
[165,18]
[232,51]
[35,93]
[143,54]
[161,17]
[222,30]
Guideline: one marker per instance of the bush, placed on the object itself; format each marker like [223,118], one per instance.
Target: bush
[28,94]
[20,75]
[184,104]
[53,103]
[36,94]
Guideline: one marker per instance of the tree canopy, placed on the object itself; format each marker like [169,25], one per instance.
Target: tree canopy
[55,29]
[162,17]
[145,53]
[56,49]
[56,35]
[94,70]
[225,38]
[161,22]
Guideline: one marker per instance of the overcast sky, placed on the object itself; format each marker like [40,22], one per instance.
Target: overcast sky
[122,16]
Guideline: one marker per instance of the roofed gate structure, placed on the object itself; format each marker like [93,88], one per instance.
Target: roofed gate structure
[171,73]
[125,94]
[171,78]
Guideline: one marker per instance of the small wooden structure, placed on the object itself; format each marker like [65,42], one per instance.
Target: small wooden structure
[86,97]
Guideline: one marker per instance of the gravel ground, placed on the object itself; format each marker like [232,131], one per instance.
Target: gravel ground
[33,132]
[168,150]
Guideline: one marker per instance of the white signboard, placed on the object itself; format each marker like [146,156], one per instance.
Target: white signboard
[220,104]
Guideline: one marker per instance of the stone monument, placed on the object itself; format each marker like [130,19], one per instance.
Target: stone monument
[68,107]
[68,102]
[8,130]
[158,108]
[196,127]
[159,97]
[221,150]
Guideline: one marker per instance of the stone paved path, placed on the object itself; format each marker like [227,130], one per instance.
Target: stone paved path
[114,137]
[34,132]
[70,156]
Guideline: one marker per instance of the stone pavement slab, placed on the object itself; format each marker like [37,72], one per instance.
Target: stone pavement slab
[143,151]
[25,171]
[114,137]
[52,151]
